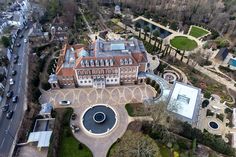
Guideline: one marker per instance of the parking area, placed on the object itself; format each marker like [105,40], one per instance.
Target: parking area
[116,95]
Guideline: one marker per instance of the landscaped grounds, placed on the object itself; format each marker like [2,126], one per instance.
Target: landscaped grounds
[183,43]
[197,32]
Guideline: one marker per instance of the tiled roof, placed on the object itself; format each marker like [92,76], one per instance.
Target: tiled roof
[101,54]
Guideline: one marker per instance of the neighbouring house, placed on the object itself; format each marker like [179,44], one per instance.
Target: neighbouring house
[41,134]
[222,54]
[59,30]
[37,36]
[117,10]
[15,15]
[102,63]
[184,102]
[46,110]
[232,63]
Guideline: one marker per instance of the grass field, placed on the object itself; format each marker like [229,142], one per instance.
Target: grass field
[69,145]
[183,43]
[197,32]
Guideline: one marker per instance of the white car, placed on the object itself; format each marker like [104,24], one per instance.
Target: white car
[11,81]
[25,40]
[64,102]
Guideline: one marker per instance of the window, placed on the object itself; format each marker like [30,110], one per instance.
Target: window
[85,81]
[111,80]
[107,80]
[89,81]
[115,80]
[81,81]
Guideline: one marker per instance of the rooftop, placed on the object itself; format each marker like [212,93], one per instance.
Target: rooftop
[184,101]
[42,137]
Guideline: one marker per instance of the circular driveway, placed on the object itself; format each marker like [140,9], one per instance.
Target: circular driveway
[116,95]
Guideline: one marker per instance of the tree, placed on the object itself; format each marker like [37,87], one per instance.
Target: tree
[146,30]
[138,27]
[5,41]
[156,34]
[69,9]
[53,8]
[135,144]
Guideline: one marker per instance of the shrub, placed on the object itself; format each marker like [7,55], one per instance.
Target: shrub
[36,94]
[148,80]
[209,113]
[207,95]
[205,103]
[220,117]
[46,85]
[205,138]
[5,41]
[228,110]
[153,83]
[35,81]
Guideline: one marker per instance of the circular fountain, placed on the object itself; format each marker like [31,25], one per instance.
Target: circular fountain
[99,119]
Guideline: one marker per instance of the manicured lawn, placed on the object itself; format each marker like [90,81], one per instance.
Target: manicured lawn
[135,109]
[129,109]
[197,32]
[69,145]
[183,43]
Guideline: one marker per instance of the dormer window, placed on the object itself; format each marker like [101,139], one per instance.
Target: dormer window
[97,63]
[82,63]
[101,62]
[91,62]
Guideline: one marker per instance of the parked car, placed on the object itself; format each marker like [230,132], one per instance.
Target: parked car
[25,40]
[11,81]
[14,99]
[16,56]
[15,61]
[64,102]
[18,44]
[26,27]
[13,73]
[9,94]
[9,114]
[73,116]
[21,36]
[5,108]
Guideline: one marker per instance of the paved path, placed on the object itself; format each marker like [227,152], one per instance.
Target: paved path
[85,20]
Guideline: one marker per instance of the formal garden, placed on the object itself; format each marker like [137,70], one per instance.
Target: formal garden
[198,32]
[183,43]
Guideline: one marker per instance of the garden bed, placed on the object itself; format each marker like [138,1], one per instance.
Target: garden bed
[197,79]
[135,109]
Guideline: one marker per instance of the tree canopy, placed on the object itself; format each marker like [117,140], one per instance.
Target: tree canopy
[5,41]
[135,144]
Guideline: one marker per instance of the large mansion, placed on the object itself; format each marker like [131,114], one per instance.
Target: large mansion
[100,64]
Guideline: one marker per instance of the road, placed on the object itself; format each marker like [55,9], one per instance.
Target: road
[9,128]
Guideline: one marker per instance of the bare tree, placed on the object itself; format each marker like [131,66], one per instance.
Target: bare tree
[69,8]
[135,144]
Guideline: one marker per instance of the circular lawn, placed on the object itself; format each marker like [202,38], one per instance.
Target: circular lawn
[183,43]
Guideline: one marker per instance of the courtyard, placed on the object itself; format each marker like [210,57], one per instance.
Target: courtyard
[114,96]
